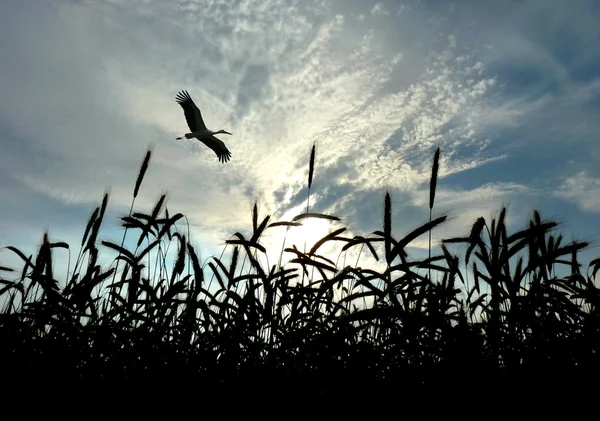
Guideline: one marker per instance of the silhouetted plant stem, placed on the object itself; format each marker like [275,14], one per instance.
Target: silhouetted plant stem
[432,187]
[311,170]
[136,189]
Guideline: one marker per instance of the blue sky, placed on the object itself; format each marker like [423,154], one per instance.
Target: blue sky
[509,90]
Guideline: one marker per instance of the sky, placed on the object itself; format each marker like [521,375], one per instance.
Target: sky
[509,91]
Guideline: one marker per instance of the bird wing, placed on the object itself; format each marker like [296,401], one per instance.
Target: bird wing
[218,147]
[191,111]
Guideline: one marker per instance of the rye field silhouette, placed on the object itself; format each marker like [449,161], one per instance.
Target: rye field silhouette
[495,316]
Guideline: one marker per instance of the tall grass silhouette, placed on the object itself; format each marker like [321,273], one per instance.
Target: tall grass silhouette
[309,324]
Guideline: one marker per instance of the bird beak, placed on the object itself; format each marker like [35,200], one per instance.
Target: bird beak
[226,132]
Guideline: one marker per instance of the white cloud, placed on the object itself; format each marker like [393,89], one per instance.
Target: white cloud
[378,9]
[582,189]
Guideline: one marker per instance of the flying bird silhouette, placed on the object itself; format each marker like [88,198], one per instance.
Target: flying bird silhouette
[198,128]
